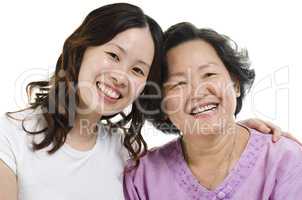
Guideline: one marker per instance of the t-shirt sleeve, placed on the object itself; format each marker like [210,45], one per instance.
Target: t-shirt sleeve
[7,154]
[13,139]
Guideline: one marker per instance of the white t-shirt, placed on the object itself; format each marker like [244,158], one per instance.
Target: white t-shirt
[68,174]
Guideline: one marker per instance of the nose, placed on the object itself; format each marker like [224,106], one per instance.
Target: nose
[200,89]
[119,79]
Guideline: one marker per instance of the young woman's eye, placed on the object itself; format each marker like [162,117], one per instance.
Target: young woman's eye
[138,71]
[113,56]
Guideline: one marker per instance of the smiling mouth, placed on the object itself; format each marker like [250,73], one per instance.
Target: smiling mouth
[108,91]
[204,109]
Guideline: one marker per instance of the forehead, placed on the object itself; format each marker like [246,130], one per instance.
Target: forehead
[134,40]
[191,54]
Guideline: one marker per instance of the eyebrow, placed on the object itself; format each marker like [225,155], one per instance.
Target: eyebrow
[199,68]
[144,63]
[177,74]
[125,52]
[119,47]
[207,65]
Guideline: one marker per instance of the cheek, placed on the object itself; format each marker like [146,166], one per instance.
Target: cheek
[174,103]
[103,65]
[229,99]
[93,67]
[221,87]
[217,87]
[85,85]
[137,85]
[174,109]
[87,93]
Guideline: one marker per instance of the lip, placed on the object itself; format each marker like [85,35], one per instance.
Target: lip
[106,98]
[201,104]
[112,88]
[207,114]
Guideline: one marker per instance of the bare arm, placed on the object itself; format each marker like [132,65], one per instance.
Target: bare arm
[268,128]
[8,183]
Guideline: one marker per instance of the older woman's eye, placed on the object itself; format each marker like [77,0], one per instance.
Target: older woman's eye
[113,56]
[209,74]
[180,83]
[139,71]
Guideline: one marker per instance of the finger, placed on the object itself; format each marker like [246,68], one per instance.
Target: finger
[277,134]
[275,131]
[265,129]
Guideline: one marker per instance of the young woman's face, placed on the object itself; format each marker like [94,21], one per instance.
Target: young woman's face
[200,96]
[112,75]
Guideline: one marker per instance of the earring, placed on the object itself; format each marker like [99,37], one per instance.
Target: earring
[238,94]
[166,118]
[237,88]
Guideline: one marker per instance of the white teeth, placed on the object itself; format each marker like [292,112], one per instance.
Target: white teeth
[107,91]
[201,109]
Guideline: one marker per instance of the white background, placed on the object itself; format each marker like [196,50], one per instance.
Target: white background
[33,32]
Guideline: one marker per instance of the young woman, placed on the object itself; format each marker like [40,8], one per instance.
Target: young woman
[102,70]
[206,79]
[65,145]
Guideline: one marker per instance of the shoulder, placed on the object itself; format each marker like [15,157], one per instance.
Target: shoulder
[28,119]
[285,156]
[155,164]
[13,140]
[155,159]
[289,153]
[284,148]
[9,127]
[161,153]
[12,127]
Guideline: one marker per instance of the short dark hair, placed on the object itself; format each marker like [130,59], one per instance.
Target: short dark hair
[236,61]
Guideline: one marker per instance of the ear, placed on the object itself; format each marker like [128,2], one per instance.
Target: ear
[237,88]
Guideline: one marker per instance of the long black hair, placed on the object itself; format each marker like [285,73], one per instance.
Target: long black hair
[100,26]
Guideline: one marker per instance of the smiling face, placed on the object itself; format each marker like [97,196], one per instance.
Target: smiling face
[113,75]
[200,95]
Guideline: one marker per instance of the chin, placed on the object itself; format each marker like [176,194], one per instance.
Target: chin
[203,127]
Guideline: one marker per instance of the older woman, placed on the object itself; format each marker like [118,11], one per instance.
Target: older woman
[214,158]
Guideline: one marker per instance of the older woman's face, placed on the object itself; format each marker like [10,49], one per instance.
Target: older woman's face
[200,96]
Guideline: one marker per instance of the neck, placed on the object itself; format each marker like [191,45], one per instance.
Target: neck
[211,148]
[85,127]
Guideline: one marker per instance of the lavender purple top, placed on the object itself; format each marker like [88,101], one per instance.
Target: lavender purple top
[264,171]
